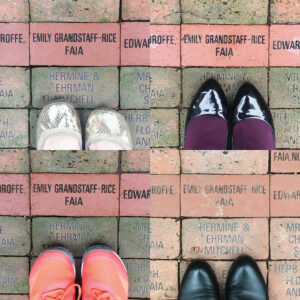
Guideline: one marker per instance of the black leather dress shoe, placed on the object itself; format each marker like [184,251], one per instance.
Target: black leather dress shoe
[245,281]
[250,105]
[199,283]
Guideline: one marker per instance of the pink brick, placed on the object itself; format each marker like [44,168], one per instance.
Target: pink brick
[285,36]
[225,196]
[287,161]
[14,194]
[103,51]
[135,195]
[164,161]
[99,194]
[245,54]
[14,48]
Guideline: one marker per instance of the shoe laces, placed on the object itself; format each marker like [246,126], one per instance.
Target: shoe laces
[60,294]
[102,295]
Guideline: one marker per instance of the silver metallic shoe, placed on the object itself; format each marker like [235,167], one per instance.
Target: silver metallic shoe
[58,118]
[107,125]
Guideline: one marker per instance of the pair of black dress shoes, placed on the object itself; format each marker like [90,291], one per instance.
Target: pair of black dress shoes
[212,125]
[244,282]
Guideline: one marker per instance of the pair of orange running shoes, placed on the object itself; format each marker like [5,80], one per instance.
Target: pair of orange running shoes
[104,275]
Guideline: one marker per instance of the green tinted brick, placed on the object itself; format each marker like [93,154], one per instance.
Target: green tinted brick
[231,80]
[13,128]
[165,12]
[14,236]
[183,115]
[137,161]
[14,297]
[83,87]
[95,162]
[74,11]
[164,128]
[14,275]
[285,87]
[14,87]
[75,234]
[285,11]
[15,11]
[225,12]
[14,161]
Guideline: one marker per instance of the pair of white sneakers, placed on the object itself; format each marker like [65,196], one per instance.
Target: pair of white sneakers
[59,128]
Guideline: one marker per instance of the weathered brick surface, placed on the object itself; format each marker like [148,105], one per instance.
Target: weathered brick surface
[285,87]
[164,128]
[14,87]
[14,51]
[14,275]
[285,11]
[14,194]
[225,238]
[286,128]
[225,12]
[14,236]
[73,11]
[83,87]
[284,238]
[14,161]
[135,195]
[136,10]
[165,161]
[287,161]
[14,297]
[75,234]
[224,162]
[14,11]
[231,79]
[95,162]
[75,194]
[165,12]
[165,196]
[135,161]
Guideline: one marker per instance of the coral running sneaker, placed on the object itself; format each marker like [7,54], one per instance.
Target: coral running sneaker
[104,275]
[53,276]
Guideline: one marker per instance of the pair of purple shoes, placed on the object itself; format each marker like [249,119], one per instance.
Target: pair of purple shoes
[248,125]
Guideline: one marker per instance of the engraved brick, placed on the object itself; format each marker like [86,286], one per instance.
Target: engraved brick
[221,269]
[165,196]
[165,87]
[284,238]
[165,12]
[135,87]
[135,161]
[250,51]
[50,39]
[14,11]
[285,161]
[73,11]
[286,129]
[139,123]
[14,87]
[75,234]
[14,297]
[155,279]
[74,194]
[95,162]
[231,79]
[13,128]
[182,120]
[164,128]
[14,194]
[224,196]
[284,84]
[83,87]
[165,161]
[225,12]
[225,162]
[284,50]
[14,236]
[285,11]
[14,275]
[14,161]
[135,195]
[14,50]
[165,51]
[138,10]
[142,238]
[225,238]
[285,195]
[283,280]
